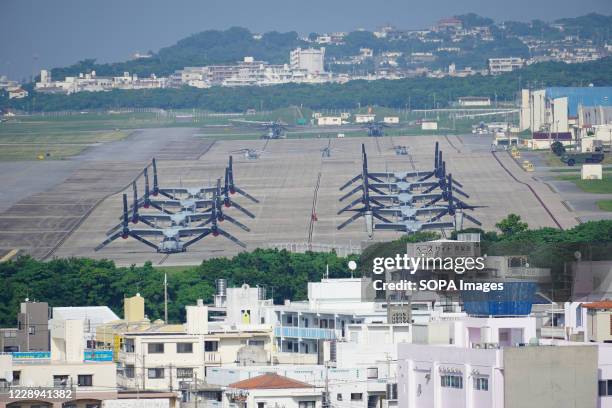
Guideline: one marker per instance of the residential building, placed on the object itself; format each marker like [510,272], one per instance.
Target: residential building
[89,376]
[17,93]
[500,65]
[168,356]
[311,60]
[275,391]
[92,316]
[508,377]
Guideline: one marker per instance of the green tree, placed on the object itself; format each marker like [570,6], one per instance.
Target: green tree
[512,225]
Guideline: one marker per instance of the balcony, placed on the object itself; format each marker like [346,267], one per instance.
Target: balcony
[296,358]
[212,357]
[305,333]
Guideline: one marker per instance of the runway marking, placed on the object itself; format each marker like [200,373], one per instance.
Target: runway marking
[530,188]
[87,214]
[452,144]
[313,212]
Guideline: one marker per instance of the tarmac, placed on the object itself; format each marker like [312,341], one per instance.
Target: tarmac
[296,186]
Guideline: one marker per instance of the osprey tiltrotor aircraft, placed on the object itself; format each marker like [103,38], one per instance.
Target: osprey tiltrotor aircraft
[408,197]
[179,221]
[172,237]
[273,129]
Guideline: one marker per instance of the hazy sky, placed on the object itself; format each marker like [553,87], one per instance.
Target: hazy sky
[37,34]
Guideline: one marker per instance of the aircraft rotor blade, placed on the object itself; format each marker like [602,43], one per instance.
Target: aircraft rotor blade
[241,208]
[108,241]
[236,222]
[350,220]
[196,239]
[231,238]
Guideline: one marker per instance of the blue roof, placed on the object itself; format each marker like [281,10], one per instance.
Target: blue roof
[586,96]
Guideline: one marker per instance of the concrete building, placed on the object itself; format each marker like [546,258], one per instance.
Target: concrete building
[501,65]
[473,101]
[167,357]
[33,326]
[273,390]
[87,378]
[510,377]
[311,60]
[92,316]
[598,322]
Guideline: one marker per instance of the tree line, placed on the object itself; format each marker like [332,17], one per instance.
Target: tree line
[415,93]
[89,282]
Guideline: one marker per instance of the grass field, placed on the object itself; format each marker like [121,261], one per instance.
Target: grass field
[605,205]
[39,145]
[591,186]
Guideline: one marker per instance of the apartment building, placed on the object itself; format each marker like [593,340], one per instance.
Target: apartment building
[273,390]
[88,377]
[501,65]
[311,60]
[170,357]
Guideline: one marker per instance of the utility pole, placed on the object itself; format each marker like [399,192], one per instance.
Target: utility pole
[166,298]
[196,388]
[170,376]
[326,401]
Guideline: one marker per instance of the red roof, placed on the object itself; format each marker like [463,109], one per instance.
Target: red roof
[269,381]
[604,304]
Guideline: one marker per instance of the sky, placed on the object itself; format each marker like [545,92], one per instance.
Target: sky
[37,34]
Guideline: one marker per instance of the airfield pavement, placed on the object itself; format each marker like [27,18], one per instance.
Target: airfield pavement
[72,217]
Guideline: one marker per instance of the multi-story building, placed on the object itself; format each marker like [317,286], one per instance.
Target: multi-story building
[310,60]
[166,357]
[83,378]
[500,65]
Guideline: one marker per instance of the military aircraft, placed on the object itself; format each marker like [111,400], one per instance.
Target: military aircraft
[375,129]
[273,129]
[202,191]
[171,237]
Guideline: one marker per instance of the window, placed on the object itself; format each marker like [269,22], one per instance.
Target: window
[256,343]
[601,387]
[85,380]
[289,319]
[211,345]
[60,380]
[32,330]
[155,373]
[261,405]
[92,406]
[184,372]
[481,383]
[306,404]
[184,347]
[16,377]
[155,348]
[356,396]
[452,381]
[129,371]
[128,346]
[338,397]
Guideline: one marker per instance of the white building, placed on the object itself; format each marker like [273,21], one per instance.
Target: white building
[89,376]
[311,60]
[500,65]
[273,390]
[494,362]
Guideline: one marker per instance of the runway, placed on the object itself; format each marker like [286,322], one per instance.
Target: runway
[285,180]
